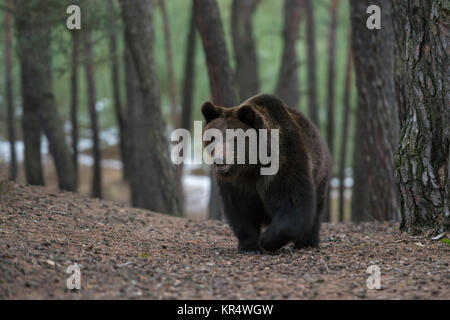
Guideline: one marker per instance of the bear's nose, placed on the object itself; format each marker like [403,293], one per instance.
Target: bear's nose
[219,159]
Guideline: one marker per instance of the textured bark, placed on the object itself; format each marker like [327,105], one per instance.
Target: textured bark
[31,123]
[288,87]
[74,100]
[158,189]
[311,54]
[134,104]
[169,61]
[188,89]
[96,191]
[331,93]
[345,127]
[34,29]
[114,54]
[246,72]
[172,89]
[9,94]
[401,28]
[360,190]
[422,75]
[189,74]
[377,110]
[220,76]
[208,22]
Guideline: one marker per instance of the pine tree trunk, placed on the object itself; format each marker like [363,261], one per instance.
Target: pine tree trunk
[209,25]
[377,110]
[422,73]
[170,68]
[345,128]
[173,90]
[288,87]
[188,89]
[9,94]
[360,190]
[189,74]
[96,191]
[158,173]
[74,100]
[116,92]
[134,103]
[35,52]
[31,122]
[246,72]
[331,93]
[311,53]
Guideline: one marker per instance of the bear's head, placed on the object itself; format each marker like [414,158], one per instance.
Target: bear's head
[228,163]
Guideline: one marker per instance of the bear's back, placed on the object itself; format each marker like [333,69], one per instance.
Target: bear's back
[301,134]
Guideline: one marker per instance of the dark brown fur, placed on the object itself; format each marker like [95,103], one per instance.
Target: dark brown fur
[290,201]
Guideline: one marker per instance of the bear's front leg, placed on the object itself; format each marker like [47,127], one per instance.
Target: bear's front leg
[293,212]
[244,212]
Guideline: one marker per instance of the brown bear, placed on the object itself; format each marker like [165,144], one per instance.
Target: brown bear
[289,202]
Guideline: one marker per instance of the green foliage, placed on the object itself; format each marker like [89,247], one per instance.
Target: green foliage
[445,241]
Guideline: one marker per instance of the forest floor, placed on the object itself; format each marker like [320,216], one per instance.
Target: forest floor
[130,253]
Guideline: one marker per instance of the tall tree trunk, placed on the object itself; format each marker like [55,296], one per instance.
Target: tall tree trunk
[331,90]
[116,93]
[423,160]
[189,74]
[96,190]
[288,87]
[345,127]
[9,94]
[246,72]
[31,122]
[134,105]
[377,109]
[169,60]
[311,53]
[208,22]
[188,88]
[74,100]
[158,173]
[35,52]
[172,89]
[360,190]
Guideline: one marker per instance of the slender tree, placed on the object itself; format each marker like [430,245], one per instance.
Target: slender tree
[172,87]
[188,89]
[288,87]
[360,190]
[34,27]
[209,25]
[189,74]
[377,110]
[134,104]
[9,93]
[331,92]
[158,186]
[422,73]
[115,77]
[74,99]
[246,72]
[89,66]
[311,54]
[170,68]
[345,128]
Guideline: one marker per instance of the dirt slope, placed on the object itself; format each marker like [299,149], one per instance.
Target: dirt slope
[129,253]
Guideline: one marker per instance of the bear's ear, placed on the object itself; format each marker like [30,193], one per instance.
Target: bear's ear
[250,117]
[210,111]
